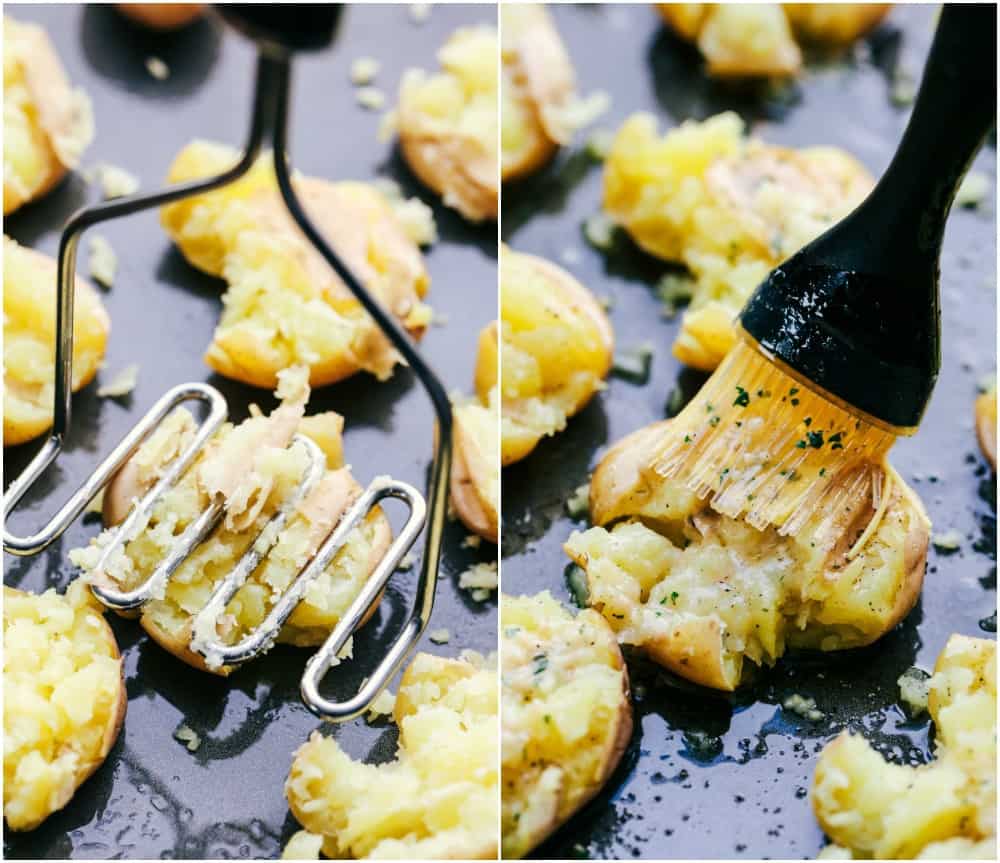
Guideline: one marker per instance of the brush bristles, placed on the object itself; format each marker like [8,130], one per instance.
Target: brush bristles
[769,450]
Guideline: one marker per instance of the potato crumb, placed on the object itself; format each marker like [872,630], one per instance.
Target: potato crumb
[388,126]
[973,191]
[103,263]
[480,577]
[480,594]
[157,68]
[634,364]
[407,563]
[347,651]
[804,707]
[96,504]
[303,846]
[383,705]
[370,98]
[599,144]
[914,688]
[440,636]
[364,70]
[420,12]
[578,504]
[115,182]
[416,219]
[600,231]
[188,736]
[948,541]
[674,290]
[121,384]
[472,540]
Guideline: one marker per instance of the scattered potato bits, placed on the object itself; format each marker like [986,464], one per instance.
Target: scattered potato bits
[566,715]
[438,799]
[284,305]
[64,699]
[702,593]
[556,344]
[762,39]
[46,125]
[252,467]
[873,809]
[29,324]
[448,123]
[729,208]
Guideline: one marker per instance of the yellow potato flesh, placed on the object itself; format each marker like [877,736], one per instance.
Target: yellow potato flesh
[554,355]
[29,325]
[63,698]
[871,808]
[437,799]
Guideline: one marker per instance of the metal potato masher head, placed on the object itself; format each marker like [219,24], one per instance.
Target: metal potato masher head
[278,31]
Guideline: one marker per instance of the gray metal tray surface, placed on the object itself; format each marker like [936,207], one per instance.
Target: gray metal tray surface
[152,798]
[709,775]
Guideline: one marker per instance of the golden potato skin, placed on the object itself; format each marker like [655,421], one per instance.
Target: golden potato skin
[873,809]
[253,467]
[64,699]
[438,799]
[46,124]
[653,573]
[556,346]
[761,39]
[448,123]
[566,715]
[728,207]
[29,328]
[162,16]
[537,89]
[475,471]
[986,424]
[284,305]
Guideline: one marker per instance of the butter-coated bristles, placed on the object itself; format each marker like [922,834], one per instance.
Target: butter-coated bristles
[772,451]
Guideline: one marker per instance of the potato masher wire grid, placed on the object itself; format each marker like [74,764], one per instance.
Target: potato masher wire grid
[270,112]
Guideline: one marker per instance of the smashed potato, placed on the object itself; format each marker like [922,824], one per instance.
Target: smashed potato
[537,89]
[448,123]
[253,468]
[475,472]
[702,593]
[64,699]
[438,798]
[762,39]
[46,124]
[556,345]
[986,424]
[29,332]
[729,208]
[566,714]
[284,305]
[873,809]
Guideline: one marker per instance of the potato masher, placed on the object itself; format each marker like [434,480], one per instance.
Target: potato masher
[278,31]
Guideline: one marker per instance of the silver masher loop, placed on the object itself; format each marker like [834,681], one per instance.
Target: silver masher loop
[107,468]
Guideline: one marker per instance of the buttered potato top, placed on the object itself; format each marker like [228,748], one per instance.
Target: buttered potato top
[702,593]
[254,469]
[29,333]
[556,349]
[762,39]
[46,124]
[728,207]
[64,699]
[566,715]
[284,305]
[873,809]
[438,799]
[448,123]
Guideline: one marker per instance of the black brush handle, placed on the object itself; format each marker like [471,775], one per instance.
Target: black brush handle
[280,28]
[857,310]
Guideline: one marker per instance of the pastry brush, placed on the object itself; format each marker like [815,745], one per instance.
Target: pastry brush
[839,347]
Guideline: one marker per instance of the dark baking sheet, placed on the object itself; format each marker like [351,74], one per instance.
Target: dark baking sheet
[152,798]
[711,776]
